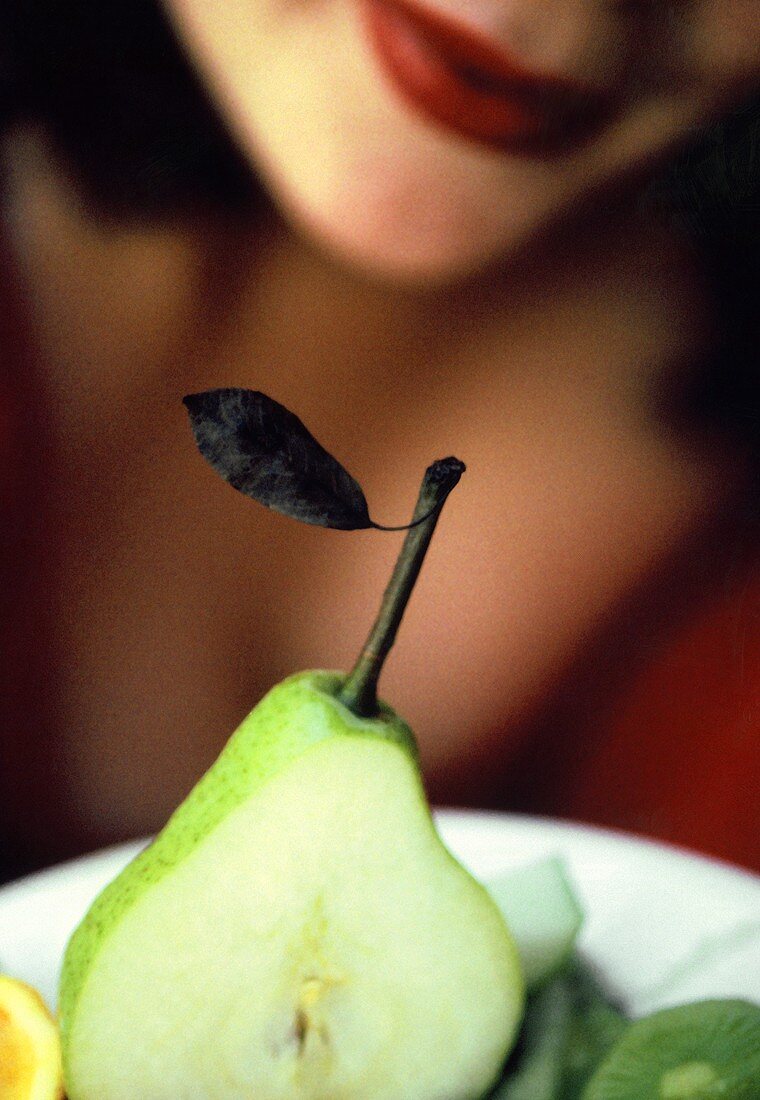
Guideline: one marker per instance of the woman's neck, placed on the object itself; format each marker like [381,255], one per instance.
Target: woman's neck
[620,278]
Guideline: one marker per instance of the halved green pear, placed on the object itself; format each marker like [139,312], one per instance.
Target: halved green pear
[298,930]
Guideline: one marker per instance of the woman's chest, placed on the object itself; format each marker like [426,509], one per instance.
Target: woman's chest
[173,603]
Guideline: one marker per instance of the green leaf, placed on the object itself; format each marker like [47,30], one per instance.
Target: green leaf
[570,1024]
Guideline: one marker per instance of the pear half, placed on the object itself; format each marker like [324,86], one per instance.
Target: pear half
[298,930]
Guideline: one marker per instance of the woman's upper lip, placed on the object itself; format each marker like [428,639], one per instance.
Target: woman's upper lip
[483,63]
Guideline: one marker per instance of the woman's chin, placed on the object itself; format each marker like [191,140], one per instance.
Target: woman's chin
[411,262]
[417,255]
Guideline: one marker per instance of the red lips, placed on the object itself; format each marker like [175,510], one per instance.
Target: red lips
[460,81]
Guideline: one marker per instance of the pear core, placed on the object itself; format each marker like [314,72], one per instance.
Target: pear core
[297,932]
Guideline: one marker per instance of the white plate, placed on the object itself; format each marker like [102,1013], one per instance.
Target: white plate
[663,926]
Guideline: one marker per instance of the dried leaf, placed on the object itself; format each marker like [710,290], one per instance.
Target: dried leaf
[263,450]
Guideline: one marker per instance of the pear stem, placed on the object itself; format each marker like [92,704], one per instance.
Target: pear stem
[359,692]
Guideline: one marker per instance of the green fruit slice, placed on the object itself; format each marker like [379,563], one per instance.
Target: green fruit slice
[543,915]
[704,1051]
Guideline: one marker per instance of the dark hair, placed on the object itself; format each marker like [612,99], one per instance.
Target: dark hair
[135,125]
[122,104]
[711,193]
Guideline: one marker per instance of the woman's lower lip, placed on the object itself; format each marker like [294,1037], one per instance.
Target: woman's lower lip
[517,115]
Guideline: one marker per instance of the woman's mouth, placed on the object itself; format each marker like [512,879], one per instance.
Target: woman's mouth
[459,80]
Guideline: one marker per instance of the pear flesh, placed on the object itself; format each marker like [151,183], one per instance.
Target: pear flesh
[297,932]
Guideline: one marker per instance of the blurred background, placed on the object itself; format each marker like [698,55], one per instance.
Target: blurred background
[584,641]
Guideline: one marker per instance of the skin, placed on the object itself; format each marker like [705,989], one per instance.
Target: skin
[307,79]
[523,319]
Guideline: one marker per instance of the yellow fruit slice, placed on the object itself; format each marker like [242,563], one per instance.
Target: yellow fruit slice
[30,1050]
